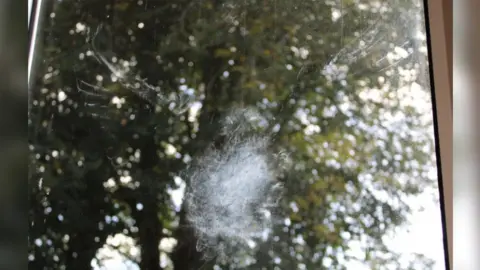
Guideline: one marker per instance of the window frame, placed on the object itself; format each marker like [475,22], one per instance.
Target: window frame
[439,31]
[35,9]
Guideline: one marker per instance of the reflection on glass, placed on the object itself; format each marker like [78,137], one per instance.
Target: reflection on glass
[230,134]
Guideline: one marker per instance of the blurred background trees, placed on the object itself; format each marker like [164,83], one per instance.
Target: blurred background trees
[129,92]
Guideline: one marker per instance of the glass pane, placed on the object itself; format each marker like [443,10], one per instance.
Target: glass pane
[254,134]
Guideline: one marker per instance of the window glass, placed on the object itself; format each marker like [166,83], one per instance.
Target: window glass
[233,134]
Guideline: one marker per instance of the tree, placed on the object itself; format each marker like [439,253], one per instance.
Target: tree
[113,101]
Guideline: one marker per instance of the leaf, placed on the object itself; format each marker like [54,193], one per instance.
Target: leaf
[122,6]
[223,53]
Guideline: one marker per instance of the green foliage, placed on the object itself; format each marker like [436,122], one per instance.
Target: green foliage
[94,161]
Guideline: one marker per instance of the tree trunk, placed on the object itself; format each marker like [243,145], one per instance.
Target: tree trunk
[149,235]
[82,250]
[149,224]
[185,256]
